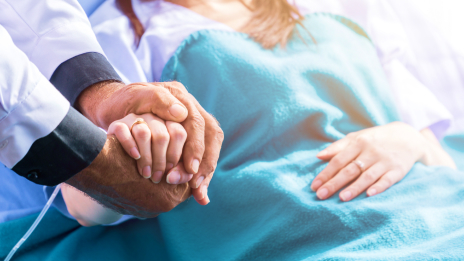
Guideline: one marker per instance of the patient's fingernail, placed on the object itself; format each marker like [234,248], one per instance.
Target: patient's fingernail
[371,192]
[134,152]
[190,176]
[177,110]
[169,166]
[316,184]
[322,193]
[204,191]
[346,195]
[199,180]
[157,177]
[146,172]
[207,200]
[173,177]
[195,165]
[322,153]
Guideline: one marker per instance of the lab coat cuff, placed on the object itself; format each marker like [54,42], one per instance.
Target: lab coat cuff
[76,74]
[67,150]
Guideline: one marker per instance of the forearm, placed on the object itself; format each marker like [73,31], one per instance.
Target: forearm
[434,153]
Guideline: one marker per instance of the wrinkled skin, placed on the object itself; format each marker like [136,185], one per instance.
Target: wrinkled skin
[113,180]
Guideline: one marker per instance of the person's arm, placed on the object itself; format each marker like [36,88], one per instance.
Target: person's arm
[34,115]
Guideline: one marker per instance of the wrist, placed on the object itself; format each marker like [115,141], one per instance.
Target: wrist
[93,102]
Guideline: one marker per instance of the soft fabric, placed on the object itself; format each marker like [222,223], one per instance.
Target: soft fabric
[278,108]
[167,25]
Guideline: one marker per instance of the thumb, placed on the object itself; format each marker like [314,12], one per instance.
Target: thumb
[159,101]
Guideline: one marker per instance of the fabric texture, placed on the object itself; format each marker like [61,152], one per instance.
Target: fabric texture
[167,25]
[278,108]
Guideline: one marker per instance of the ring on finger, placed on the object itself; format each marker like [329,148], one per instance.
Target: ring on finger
[138,121]
[360,164]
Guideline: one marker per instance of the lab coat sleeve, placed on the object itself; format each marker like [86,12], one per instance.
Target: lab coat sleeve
[57,37]
[41,137]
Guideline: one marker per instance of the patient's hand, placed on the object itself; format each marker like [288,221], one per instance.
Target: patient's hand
[155,144]
[376,158]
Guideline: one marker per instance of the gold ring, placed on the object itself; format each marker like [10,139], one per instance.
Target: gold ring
[360,165]
[138,121]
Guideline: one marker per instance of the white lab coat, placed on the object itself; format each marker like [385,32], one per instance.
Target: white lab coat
[36,36]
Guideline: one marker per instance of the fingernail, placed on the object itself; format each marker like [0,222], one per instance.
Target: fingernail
[173,178]
[177,110]
[134,152]
[200,179]
[316,184]
[195,165]
[146,172]
[169,166]
[157,177]
[321,154]
[204,191]
[190,177]
[207,199]
[371,192]
[322,193]
[346,195]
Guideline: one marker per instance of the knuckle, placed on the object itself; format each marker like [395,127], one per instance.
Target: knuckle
[336,161]
[363,139]
[369,176]
[198,121]
[219,134]
[161,137]
[210,167]
[350,171]
[141,132]
[177,131]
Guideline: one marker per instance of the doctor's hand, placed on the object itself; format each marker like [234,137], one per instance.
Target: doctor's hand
[113,180]
[106,102]
[374,159]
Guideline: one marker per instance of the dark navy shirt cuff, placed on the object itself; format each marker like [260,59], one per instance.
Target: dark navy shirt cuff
[76,74]
[66,151]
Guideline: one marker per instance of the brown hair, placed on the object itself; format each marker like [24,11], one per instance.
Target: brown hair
[272,23]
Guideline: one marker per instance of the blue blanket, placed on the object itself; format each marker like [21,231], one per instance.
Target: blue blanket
[278,108]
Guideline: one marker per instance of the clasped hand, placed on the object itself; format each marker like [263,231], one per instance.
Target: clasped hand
[179,130]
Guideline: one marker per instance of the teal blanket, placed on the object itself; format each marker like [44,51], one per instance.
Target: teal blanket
[278,108]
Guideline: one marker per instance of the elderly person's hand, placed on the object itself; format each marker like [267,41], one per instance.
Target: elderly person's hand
[105,103]
[376,158]
[112,180]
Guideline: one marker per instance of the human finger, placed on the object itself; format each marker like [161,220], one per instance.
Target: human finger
[194,125]
[159,145]
[338,162]
[122,133]
[142,136]
[334,148]
[214,136]
[154,98]
[386,181]
[367,178]
[200,194]
[178,136]
[178,175]
[344,177]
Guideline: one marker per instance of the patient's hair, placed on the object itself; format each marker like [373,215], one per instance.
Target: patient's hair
[272,23]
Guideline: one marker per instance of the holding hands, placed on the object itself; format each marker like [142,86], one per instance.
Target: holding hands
[113,178]
[374,159]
